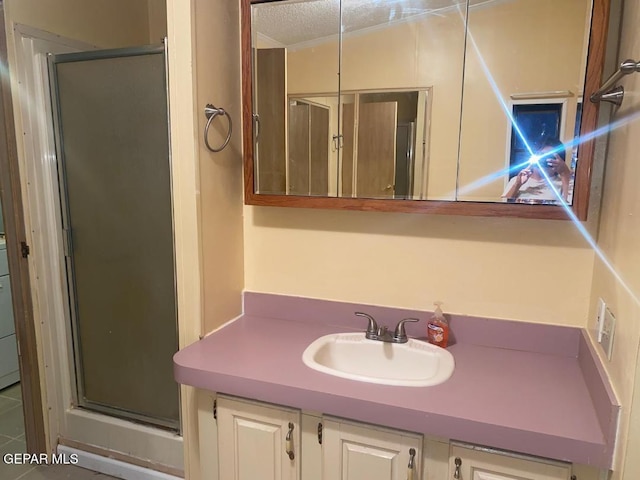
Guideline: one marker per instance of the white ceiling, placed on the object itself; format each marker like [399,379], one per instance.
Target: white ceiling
[300,22]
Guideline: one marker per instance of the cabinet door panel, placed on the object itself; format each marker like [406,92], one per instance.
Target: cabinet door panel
[252,441]
[7,326]
[355,452]
[484,465]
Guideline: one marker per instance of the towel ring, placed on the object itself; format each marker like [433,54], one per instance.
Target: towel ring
[212,112]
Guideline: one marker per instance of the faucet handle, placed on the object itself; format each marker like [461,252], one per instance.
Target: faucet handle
[372,328]
[399,335]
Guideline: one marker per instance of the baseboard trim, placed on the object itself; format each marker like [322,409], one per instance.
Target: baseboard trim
[113,467]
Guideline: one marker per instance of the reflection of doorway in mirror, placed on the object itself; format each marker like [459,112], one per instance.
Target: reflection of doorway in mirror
[308,162]
[536,120]
[383,153]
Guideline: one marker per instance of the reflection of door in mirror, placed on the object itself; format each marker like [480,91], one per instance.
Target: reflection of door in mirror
[376,153]
[308,169]
[384,135]
[270,148]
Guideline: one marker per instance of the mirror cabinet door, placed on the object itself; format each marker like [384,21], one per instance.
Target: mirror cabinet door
[401,91]
[295,53]
[523,91]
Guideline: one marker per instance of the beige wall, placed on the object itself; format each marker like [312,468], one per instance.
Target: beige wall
[632,460]
[619,239]
[207,186]
[157,10]
[181,36]
[220,177]
[104,23]
[532,270]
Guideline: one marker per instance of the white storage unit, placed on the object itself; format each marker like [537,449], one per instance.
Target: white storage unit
[9,373]
[243,439]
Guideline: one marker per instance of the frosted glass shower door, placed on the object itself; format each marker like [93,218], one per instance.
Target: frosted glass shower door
[111,117]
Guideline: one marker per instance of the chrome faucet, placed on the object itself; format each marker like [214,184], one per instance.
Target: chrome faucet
[374,332]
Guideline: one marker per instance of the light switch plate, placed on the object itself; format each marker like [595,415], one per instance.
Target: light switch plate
[608,329]
[600,308]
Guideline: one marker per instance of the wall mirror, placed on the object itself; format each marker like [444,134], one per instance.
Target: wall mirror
[443,106]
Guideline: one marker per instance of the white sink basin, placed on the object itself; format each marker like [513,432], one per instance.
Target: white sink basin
[351,355]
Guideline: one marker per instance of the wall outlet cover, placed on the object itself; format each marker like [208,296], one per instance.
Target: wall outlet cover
[608,329]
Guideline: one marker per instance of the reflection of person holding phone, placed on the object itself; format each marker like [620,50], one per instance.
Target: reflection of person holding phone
[545,179]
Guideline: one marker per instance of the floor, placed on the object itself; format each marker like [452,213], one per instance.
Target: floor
[12,441]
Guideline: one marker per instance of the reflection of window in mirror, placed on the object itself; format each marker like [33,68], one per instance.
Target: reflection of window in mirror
[535,123]
[384,144]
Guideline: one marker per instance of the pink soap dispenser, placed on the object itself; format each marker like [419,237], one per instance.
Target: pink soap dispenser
[438,328]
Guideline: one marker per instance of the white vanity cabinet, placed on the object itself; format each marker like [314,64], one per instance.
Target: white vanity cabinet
[355,451]
[9,373]
[257,441]
[242,439]
[472,463]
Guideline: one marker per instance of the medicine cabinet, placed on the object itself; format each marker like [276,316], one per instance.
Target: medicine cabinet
[425,106]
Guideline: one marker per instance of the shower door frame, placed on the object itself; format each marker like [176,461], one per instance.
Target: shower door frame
[79,394]
[64,423]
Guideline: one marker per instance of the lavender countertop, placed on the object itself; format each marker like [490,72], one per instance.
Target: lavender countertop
[532,402]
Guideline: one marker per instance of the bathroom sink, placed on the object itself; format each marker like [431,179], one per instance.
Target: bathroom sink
[351,355]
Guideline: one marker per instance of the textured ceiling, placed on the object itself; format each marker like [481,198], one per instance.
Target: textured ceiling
[298,22]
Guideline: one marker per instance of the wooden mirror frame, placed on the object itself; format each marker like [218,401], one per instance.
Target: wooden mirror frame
[583,174]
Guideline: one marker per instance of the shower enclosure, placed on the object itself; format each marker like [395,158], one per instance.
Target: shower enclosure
[112,141]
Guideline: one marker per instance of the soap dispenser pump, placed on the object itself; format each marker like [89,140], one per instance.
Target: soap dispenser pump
[438,328]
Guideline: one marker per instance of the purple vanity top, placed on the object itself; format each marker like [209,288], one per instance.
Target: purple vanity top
[529,388]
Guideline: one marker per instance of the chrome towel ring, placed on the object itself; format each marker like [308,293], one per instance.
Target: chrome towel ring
[212,112]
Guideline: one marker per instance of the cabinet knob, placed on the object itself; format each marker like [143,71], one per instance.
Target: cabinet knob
[289,442]
[410,467]
[458,463]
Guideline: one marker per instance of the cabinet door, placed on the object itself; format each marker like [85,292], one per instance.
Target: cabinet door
[488,465]
[356,452]
[252,441]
